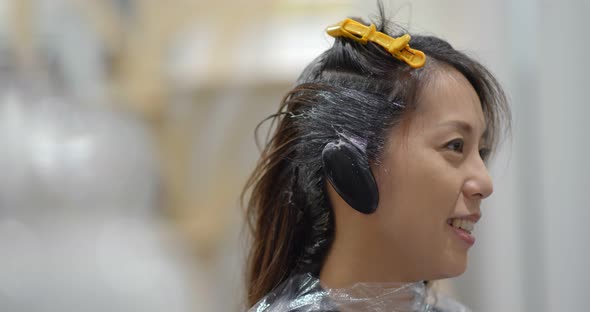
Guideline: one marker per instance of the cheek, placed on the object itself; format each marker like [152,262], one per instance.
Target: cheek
[417,195]
[436,187]
[427,183]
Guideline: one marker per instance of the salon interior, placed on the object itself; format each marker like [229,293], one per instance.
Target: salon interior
[127,134]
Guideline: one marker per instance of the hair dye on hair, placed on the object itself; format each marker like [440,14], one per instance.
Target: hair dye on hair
[354,91]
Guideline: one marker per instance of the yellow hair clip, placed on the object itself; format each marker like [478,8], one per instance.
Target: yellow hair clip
[398,47]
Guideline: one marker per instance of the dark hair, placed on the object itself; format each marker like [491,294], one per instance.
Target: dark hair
[358,90]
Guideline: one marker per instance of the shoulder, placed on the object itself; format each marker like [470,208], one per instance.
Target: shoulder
[299,293]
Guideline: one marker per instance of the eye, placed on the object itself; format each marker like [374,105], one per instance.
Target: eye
[484,153]
[456,145]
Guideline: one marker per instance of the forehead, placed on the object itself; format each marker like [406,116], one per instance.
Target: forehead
[447,96]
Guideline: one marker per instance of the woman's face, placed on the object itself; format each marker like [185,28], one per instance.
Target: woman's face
[431,175]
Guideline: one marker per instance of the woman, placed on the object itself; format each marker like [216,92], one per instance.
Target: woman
[372,182]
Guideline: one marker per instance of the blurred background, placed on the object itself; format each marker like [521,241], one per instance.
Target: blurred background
[127,133]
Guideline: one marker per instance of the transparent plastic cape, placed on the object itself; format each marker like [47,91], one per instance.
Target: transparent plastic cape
[303,293]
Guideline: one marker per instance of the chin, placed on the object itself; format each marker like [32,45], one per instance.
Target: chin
[453,269]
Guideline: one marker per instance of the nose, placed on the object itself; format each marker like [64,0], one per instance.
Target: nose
[479,183]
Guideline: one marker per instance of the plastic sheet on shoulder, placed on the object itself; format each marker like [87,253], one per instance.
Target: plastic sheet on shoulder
[303,293]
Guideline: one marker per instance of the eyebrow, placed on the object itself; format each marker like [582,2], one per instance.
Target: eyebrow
[462,125]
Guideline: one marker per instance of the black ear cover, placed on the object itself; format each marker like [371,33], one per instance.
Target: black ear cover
[347,168]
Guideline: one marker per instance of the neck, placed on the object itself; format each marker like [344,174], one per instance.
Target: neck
[352,261]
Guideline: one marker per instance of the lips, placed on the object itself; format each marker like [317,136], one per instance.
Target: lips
[464,236]
[471,217]
[466,225]
[463,226]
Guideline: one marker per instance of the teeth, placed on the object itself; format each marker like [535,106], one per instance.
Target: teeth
[463,224]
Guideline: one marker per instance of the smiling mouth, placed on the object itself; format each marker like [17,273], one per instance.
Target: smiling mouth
[462,224]
[463,228]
